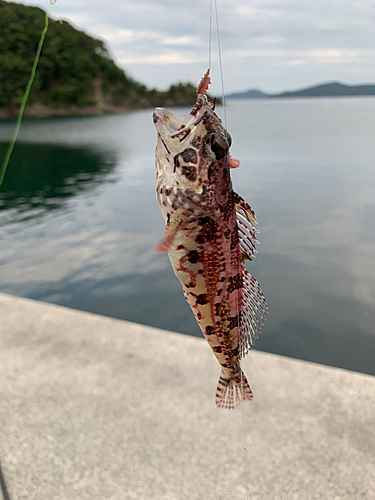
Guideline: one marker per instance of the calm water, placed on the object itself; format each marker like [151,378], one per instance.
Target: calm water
[79,221]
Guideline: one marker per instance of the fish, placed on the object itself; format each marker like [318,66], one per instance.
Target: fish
[209,234]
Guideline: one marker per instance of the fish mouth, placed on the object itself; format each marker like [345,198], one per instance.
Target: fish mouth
[171,127]
[166,123]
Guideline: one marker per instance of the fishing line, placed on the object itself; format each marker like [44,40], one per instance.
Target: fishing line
[24,99]
[221,66]
[226,127]
[210,39]
[244,435]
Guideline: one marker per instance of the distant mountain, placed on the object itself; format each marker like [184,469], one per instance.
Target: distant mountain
[330,89]
[250,94]
[333,89]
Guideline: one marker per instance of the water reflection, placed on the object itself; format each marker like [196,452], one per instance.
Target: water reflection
[44,177]
[307,170]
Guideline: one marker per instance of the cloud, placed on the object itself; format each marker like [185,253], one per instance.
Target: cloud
[264,43]
[161,59]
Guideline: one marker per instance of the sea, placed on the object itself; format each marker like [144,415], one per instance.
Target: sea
[79,221]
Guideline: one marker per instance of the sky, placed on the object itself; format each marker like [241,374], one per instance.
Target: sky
[271,45]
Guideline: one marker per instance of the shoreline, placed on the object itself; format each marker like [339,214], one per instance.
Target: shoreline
[40,111]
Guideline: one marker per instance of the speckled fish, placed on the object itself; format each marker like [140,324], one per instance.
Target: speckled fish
[209,234]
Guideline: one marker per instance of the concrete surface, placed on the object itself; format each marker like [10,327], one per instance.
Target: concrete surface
[97,408]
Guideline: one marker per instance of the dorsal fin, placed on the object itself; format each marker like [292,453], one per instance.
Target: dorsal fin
[253,312]
[246,229]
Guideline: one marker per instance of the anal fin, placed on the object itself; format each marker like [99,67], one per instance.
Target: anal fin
[254,310]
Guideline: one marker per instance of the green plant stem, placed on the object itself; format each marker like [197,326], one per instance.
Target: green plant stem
[24,101]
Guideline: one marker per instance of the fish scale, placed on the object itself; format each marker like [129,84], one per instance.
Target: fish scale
[209,233]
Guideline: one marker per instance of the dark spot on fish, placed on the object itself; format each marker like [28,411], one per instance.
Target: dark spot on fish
[168,191]
[200,271]
[199,239]
[222,279]
[155,118]
[203,220]
[190,173]
[161,190]
[217,349]
[219,292]
[217,311]
[235,282]
[235,352]
[202,299]
[199,315]
[166,147]
[209,330]
[234,240]
[190,155]
[221,343]
[168,218]
[227,233]
[233,321]
[180,247]
[196,108]
[190,285]
[184,134]
[193,257]
[176,163]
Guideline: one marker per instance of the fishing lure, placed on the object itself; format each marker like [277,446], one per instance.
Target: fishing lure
[209,234]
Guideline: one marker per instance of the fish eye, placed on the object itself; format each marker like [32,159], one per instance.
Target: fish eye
[215,146]
[219,146]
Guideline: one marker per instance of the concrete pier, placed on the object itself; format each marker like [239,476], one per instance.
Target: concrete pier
[97,408]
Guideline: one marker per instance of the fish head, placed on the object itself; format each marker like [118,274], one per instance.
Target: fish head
[190,150]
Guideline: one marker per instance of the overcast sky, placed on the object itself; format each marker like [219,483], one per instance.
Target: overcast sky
[271,45]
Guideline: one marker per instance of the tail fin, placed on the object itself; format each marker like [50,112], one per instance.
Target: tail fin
[231,392]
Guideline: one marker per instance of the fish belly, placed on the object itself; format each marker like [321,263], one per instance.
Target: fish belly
[207,279]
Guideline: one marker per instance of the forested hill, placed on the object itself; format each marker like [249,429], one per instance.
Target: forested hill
[75,74]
